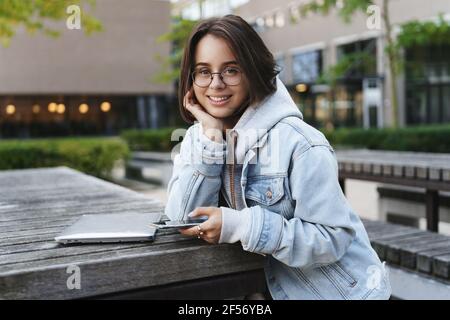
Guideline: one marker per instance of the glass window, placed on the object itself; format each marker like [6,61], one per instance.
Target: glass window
[362,56]
[446,103]
[434,105]
[269,21]
[417,106]
[427,83]
[306,67]
[279,19]
[237,3]
[191,12]
[214,8]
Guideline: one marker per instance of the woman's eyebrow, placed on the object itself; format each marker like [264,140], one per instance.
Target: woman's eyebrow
[207,64]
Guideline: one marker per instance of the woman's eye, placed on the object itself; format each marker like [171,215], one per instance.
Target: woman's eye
[203,72]
[231,71]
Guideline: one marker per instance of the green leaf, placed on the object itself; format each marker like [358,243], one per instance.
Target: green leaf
[180,30]
[33,15]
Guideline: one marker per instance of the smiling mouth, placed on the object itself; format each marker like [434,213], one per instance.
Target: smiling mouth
[219,100]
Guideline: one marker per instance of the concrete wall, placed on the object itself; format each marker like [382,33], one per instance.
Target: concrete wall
[119,60]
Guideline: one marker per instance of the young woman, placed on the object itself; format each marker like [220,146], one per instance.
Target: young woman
[261,175]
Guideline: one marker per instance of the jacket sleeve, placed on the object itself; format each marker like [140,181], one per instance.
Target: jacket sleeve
[320,231]
[196,177]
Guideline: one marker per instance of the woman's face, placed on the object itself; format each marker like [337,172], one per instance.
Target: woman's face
[219,99]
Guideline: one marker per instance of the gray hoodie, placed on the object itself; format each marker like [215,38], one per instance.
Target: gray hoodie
[250,132]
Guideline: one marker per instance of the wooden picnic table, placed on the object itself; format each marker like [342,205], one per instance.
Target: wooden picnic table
[430,171]
[36,204]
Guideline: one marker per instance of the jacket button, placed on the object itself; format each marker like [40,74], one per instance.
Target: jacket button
[269,194]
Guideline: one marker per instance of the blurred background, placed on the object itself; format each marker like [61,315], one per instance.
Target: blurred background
[92,84]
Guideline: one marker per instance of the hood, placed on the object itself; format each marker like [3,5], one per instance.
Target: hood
[258,119]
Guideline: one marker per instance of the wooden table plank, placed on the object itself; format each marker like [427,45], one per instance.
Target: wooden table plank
[35,205]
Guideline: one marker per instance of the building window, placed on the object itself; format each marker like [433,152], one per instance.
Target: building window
[361,55]
[428,84]
[307,66]
[359,59]
[258,24]
[279,19]
[191,12]
[48,116]
[215,8]
[269,20]
[237,3]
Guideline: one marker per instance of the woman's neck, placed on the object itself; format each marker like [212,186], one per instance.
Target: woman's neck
[230,122]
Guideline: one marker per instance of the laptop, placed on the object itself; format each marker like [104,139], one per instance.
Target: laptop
[109,228]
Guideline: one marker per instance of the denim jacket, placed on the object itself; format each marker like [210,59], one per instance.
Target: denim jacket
[289,207]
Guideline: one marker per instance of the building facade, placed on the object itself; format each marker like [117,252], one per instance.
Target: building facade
[97,84]
[306,47]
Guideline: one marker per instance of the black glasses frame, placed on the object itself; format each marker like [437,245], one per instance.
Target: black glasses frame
[212,77]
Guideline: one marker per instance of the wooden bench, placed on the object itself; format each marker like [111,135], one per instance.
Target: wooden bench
[406,205]
[419,261]
[151,167]
[430,171]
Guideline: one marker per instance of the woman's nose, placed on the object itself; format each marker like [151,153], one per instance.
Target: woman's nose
[217,82]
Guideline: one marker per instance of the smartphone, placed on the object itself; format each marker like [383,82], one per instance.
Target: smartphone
[180,224]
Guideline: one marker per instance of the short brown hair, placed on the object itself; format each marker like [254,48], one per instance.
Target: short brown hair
[252,55]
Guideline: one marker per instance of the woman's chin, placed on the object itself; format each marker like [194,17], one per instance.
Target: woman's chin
[219,113]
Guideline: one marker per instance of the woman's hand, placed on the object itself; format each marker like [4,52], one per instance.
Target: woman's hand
[212,127]
[210,229]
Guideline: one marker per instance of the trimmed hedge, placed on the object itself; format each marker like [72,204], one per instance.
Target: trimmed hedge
[150,139]
[434,138]
[94,156]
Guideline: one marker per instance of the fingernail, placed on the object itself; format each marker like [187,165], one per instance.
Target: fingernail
[190,214]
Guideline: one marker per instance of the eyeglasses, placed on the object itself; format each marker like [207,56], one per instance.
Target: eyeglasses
[230,76]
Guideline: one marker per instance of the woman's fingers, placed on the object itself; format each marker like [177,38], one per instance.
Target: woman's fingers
[208,121]
[190,231]
[202,211]
[193,108]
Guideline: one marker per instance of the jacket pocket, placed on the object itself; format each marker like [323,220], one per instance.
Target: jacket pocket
[342,280]
[266,190]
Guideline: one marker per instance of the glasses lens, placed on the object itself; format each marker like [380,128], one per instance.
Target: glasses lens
[202,78]
[231,76]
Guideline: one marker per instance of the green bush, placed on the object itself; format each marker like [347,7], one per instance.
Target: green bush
[94,156]
[150,139]
[435,138]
